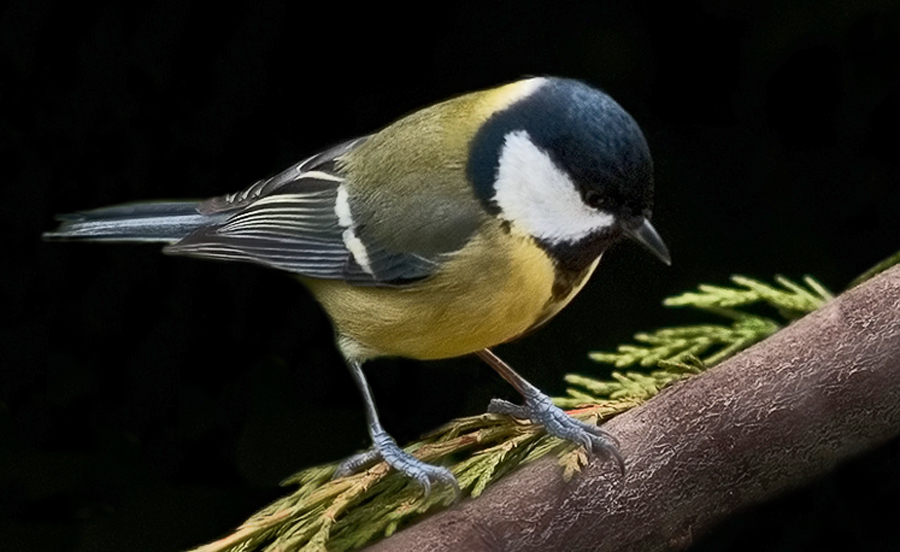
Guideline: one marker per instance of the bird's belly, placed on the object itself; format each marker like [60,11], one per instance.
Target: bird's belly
[471,304]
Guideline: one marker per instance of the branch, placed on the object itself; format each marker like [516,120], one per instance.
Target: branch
[780,414]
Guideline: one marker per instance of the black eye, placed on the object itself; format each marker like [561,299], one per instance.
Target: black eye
[595,199]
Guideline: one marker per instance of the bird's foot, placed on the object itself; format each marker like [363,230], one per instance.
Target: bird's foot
[540,409]
[385,448]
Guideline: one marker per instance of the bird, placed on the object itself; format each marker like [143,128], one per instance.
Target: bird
[456,228]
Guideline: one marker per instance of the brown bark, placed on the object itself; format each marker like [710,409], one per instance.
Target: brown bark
[776,416]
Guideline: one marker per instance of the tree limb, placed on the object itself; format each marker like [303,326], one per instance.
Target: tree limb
[776,416]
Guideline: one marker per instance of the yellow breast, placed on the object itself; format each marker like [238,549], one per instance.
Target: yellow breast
[489,293]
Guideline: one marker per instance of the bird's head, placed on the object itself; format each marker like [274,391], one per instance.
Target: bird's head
[567,165]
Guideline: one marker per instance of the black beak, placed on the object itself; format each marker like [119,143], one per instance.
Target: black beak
[643,232]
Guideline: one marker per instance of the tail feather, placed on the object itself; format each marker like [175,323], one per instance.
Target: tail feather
[166,222]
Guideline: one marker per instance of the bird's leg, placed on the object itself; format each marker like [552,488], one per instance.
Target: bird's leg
[540,409]
[385,448]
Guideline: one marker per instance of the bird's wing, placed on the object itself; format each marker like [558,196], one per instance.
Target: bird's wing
[300,221]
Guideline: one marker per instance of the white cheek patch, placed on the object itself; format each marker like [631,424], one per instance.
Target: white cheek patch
[345,218]
[539,198]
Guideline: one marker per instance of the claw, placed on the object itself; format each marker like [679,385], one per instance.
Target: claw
[500,406]
[539,409]
[617,456]
[426,486]
[386,449]
[596,430]
[357,463]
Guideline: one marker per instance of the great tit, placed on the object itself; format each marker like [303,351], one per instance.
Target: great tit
[459,227]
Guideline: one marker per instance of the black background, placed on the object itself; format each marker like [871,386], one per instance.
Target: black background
[152,403]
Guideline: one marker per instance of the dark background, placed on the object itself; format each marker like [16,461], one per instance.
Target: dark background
[152,403]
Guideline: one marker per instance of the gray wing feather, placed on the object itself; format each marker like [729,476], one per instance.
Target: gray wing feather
[323,162]
[298,232]
[289,222]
